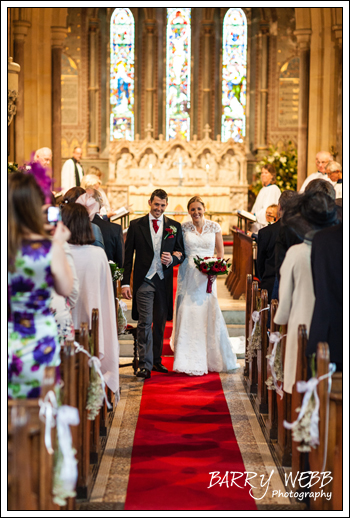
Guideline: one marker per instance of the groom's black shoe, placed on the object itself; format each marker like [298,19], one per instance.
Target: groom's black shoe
[158,367]
[143,374]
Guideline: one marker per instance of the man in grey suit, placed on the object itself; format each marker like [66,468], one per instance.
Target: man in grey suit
[154,238]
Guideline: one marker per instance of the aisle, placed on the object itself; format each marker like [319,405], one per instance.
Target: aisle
[183,436]
[110,490]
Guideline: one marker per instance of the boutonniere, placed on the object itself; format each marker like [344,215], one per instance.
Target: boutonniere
[171,232]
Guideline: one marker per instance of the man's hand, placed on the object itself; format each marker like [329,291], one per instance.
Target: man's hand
[166,258]
[126,292]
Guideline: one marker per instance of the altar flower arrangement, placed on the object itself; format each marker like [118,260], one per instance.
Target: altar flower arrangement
[211,266]
[117,273]
[286,165]
[171,232]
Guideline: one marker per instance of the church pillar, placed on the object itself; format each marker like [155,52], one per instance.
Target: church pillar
[20,31]
[92,148]
[263,80]
[58,35]
[207,67]
[149,79]
[303,38]
[338,30]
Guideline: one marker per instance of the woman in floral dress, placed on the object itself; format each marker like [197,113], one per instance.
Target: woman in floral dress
[36,264]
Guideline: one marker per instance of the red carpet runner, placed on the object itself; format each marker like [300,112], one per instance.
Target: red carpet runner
[184,432]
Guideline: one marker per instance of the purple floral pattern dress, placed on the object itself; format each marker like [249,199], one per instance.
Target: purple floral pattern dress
[32,331]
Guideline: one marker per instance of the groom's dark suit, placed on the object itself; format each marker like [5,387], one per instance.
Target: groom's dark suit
[139,240]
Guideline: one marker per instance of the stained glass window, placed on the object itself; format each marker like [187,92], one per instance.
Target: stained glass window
[234,75]
[178,72]
[122,74]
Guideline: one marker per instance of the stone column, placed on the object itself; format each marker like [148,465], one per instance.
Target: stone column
[149,76]
[20,31]
[207,67]
[263,81]
[58,35]
[303,38]
[92,148]
[338,30]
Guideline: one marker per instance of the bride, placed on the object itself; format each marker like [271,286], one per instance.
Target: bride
[200,339]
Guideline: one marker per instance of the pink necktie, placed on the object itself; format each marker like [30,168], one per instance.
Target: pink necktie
[155,225]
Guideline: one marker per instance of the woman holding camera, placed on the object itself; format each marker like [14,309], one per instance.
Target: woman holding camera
[36,264]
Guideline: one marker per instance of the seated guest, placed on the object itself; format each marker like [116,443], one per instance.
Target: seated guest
[268,195]
[96,289]
[71,196]
[271,217]
[334,173]
[61,307]
[287,237]
[305,214]
[36,265]
[93,181]
[112,233]
[267,237]
[327,275]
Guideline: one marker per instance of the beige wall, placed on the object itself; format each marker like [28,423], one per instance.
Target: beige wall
[323,94]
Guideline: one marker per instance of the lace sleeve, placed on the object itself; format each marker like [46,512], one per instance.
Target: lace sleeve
[212,227]
[187,227]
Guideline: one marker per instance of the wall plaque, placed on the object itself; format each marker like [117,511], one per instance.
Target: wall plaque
[288,99]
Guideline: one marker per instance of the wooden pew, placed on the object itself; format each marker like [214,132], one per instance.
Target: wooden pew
[96,423]
[248,312]
[283,447]
[330,435]
[83,455]
[69,395]
[262,400]
[242,263]
[271,421]
[252,380]
[29,463]
[298,457]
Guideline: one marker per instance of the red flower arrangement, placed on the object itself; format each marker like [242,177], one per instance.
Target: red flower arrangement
[211,266]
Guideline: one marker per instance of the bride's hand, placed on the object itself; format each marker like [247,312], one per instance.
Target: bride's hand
[178,254]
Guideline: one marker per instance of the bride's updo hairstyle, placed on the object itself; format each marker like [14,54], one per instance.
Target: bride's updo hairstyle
[195,199]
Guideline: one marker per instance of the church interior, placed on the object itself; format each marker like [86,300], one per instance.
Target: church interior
[192,101]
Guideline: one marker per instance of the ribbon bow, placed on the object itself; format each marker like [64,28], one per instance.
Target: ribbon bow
[66,416]
[47,413]
[309,388]
[256,317]
[275,339]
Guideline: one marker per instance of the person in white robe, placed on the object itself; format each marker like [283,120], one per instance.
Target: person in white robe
[322,159]
[72,171]
[268,195]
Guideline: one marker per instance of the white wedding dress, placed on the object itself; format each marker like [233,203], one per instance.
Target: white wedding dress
[200,339]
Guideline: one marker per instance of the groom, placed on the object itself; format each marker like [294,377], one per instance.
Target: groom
[153,238]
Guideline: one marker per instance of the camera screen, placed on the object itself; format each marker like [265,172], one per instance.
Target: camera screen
[53,214]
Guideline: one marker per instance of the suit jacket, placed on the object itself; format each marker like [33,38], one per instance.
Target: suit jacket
[327,273]
[286,238]
[267,237]
[139,240]
[113,240]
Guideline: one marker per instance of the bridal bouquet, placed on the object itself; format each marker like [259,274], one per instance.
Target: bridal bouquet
[211,266]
